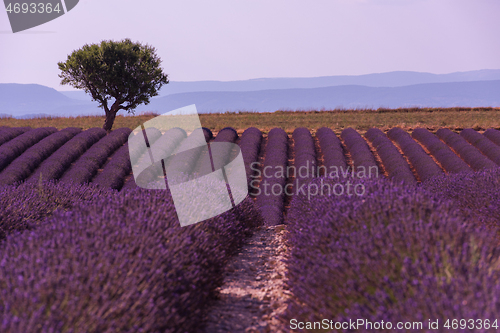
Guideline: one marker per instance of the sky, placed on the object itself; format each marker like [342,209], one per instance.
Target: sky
[229,40]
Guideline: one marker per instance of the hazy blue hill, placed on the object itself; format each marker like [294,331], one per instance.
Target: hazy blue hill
[26,94]
[77,94]
[390,79]
[22,100]
[35,99]
[480,93]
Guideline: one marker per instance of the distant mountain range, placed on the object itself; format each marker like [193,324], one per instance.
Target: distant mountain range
[391,90]
[390,79]
[26,100]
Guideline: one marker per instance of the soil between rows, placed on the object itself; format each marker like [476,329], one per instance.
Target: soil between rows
[253,294]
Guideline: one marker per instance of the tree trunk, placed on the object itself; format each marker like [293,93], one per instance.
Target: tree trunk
[110,119]
[110,116]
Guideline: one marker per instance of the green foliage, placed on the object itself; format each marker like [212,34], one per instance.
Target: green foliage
[126,71]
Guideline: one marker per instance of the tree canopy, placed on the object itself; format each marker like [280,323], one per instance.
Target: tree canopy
[125,71]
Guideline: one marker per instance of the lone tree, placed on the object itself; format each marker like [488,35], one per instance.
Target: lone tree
[126,71]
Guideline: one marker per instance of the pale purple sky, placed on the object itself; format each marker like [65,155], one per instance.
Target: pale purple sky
[245,39]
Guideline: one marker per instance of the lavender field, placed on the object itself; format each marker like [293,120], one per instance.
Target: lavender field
[391,226]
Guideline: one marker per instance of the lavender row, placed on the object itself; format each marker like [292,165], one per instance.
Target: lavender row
[271,195]
[223,152]
[24,165]
[465,150]
[477,194]
[9,133]
[115,170]
[160,147]
[172,141]
[87,165]
[250,142]
[493,135]
[15,147]
[164,147]
[208,134]
[305,156]
[183,163]
[424,165]
[363,159]
[395,254]
[441,152]
[54,166]
[137,146]
[333,153]
[147,136]
[192,148]
[481,142]
[27,205]
[144,170]
[121,264]
[220,152]
[394,163]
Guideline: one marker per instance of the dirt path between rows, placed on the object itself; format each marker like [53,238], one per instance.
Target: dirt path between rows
[253,294]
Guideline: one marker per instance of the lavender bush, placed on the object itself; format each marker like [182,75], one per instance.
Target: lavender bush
[190,157]
[161,146]
[272,185]
[465,150]
[493,135]
[331,147]
[394,163]
[24,165]
[137,154]
[55,165]
[396,254]
[27,205]
[220,153]
[121,264]
[115,170]
[150,135]
[250,142]
[357,146]
[450,162]
[9,133]
[15,147]
[305,156]
[208,134]
[481,142]
[86,166]
[184,164]
[477,194]
[424,165]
